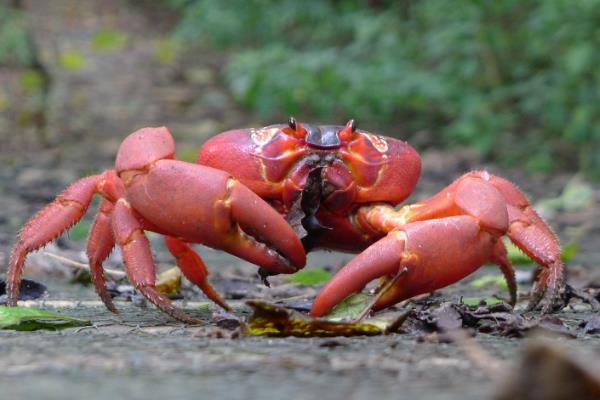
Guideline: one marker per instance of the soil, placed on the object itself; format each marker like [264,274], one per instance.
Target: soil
[141,353]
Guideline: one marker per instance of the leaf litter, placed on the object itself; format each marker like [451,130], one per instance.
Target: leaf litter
[31,319]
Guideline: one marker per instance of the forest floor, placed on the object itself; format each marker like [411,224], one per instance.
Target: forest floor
[141,353]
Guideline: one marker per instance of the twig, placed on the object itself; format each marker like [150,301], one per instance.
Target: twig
[111,272]
[379,294]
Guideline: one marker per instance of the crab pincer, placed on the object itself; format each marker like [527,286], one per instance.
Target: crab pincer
[447,237]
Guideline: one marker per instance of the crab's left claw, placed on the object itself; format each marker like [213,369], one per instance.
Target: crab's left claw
[447,237]
[433,253]
[379,260]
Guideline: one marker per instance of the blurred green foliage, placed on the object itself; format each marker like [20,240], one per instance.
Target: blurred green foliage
[518,80]
[15,45]
[72,60]
[31,81]
[109,40]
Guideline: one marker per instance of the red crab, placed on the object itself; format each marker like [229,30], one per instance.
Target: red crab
[270,195]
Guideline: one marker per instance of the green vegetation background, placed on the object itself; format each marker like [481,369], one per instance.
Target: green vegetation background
[517,80]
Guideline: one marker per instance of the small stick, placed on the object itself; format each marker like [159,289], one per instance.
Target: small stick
[111,272]
[379,294]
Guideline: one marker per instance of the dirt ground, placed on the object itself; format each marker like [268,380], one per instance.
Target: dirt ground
[140,353]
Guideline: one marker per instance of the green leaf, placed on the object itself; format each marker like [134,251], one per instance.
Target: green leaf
[109,40]
[271,320]
[309,277]
[475,301]
[489,280]
[30,319]
[72,60]
[350,307]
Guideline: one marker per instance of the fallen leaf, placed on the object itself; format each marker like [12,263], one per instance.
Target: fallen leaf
[496,319]
[476,301]
[309,277]
[270,320]
[169,282]
[349,308]
[31,319]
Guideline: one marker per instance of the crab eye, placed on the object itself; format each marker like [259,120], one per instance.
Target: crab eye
[348,131]
[295,129]
[352,124]
[292,123]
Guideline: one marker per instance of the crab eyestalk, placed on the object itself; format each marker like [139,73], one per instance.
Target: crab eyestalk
[347,131]
[297,130]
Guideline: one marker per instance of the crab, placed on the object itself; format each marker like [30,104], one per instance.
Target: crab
[271,195]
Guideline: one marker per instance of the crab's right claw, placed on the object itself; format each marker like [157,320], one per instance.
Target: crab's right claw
[264,237]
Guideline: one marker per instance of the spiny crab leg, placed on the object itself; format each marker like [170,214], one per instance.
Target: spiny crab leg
[54,219]
[100,243]
[137,256]
[194,269]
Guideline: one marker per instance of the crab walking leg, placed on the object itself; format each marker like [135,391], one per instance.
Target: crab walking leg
[64,212]
[139,265]
[100,243]
[534,237]
[193,268]
[500,258]
[432,251]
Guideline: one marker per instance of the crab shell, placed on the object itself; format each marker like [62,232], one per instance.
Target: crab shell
[325,172]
